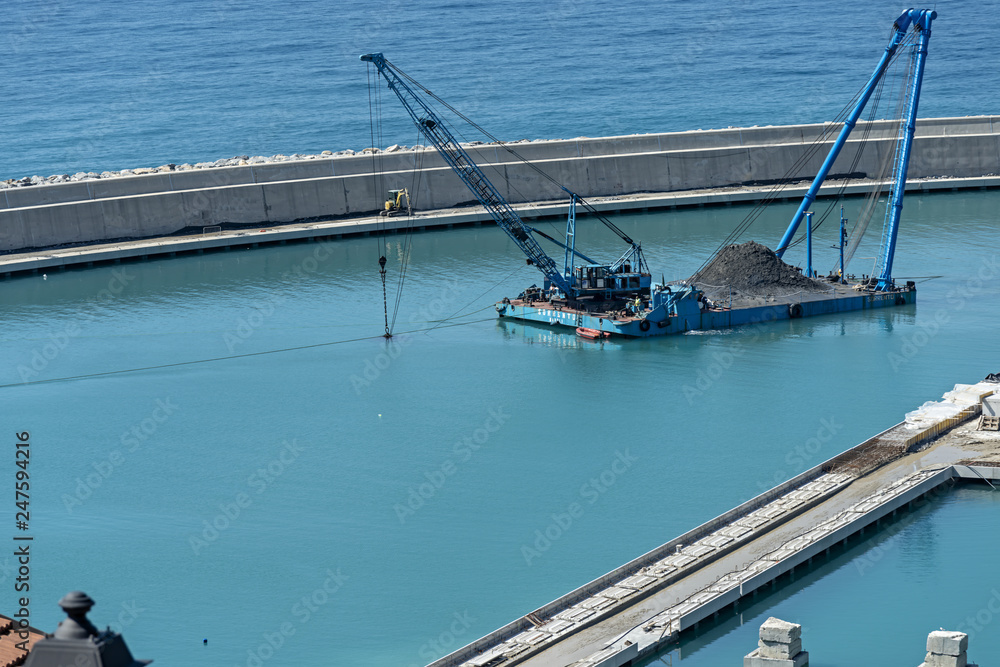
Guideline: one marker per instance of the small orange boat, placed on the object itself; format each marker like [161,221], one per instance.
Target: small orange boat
[591,334]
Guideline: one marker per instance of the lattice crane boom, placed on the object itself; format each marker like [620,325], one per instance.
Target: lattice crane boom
[438,134]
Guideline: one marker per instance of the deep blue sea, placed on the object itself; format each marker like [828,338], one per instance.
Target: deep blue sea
[267,503]
[100,86]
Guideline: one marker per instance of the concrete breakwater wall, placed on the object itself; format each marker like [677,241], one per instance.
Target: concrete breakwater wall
[267,194]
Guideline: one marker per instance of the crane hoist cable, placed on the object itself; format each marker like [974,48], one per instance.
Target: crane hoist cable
[590,208]
[375,110]
[896,166]
[887,164]
[580,200]
[871,200]
[405,247]
[375,123]
[862,144]
[772,195]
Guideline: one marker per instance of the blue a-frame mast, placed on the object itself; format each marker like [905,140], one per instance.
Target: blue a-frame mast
[920,19]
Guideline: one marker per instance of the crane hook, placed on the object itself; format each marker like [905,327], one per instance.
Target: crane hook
[385,302]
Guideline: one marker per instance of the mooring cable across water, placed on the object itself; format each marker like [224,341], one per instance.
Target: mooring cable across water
[194,362]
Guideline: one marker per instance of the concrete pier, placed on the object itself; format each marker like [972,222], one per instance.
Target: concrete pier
[643,606]
[338,188]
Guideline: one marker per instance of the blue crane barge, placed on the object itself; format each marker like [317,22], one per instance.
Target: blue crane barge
[620,297]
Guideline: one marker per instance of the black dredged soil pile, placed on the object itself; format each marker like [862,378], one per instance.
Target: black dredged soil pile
[751,269]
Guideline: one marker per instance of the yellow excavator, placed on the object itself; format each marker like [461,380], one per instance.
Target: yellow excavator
[397,203]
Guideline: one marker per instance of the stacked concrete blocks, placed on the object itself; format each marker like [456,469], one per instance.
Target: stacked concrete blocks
[946,649]
[780,645]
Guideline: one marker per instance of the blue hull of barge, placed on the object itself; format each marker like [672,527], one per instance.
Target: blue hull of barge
[546,313]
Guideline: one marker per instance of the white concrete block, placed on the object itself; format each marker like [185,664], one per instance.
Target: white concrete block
[776,630]
[938,660]
[945,642]
[781,650]
[756,660]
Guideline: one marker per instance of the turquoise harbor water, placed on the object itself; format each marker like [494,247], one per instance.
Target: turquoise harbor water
[420,471]
[366,503]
